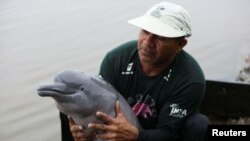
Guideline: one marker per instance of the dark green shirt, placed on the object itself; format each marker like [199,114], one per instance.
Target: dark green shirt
[162,102]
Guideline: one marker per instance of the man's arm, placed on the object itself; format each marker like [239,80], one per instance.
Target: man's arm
[170,121]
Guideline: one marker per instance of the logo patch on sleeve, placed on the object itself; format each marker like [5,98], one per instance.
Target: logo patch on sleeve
[176,111]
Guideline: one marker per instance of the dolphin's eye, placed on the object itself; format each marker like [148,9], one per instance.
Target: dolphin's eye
[82,89]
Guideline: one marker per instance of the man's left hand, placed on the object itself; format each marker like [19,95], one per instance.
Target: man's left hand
[115,129]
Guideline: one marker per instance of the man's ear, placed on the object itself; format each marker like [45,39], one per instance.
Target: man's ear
[182,42]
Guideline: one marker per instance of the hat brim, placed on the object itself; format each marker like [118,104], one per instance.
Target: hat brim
[153,25]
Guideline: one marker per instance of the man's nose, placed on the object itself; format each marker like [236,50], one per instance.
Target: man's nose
[149,40]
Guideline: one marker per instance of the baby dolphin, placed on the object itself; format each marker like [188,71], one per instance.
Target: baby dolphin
[80,95]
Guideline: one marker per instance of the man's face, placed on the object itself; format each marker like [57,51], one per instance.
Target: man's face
[156,50]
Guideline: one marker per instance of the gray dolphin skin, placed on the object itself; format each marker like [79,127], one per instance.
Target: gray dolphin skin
[80,95]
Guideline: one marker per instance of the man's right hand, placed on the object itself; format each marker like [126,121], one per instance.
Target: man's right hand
[78,132]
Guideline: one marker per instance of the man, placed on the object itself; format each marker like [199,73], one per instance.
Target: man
[163,84]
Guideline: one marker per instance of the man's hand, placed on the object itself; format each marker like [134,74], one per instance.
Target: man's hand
[78,132]
[115,129]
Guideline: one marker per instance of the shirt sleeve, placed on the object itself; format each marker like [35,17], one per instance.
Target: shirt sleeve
[114,60]
[107,70]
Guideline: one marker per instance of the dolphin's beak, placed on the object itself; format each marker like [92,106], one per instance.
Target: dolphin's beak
[53,89]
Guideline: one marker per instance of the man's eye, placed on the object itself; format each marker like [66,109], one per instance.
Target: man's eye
[146,32]
[82,89]
[161,38]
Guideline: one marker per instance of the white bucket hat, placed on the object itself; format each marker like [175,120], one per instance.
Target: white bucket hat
[165,19]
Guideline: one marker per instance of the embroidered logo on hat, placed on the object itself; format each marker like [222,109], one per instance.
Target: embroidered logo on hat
[157,12]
